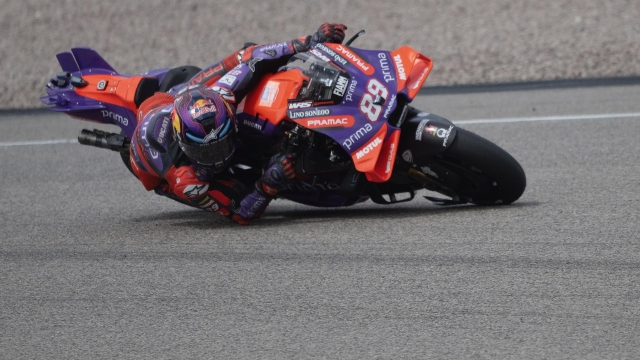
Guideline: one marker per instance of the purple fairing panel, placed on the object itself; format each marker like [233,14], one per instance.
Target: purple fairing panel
[356,100]
[67,62]
[381,60]
[87,58]
[156,73]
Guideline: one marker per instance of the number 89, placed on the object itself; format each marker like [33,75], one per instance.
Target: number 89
[374,88]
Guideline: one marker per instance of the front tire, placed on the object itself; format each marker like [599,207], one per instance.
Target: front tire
[487,174]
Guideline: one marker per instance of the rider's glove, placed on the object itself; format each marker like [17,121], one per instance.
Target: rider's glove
[280,169]
[332,33]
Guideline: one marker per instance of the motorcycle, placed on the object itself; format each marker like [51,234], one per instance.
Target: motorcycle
[344,111]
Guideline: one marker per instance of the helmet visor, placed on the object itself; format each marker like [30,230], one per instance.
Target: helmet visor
[214,153]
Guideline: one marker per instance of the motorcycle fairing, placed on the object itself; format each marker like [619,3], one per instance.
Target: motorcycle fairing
[345,123]
[107,97]
[366,157]
[344,52]
[114,103]
[87,58]
[386,160]
[412,70]
[269,99]
[67,62]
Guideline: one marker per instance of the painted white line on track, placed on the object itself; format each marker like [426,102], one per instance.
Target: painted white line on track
[41,142]
[457,122]
[548,118]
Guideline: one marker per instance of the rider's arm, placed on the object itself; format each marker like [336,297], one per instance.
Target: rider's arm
[255,61]
[212,73]
[228,197]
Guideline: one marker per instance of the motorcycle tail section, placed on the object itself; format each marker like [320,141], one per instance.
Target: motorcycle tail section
[90,89]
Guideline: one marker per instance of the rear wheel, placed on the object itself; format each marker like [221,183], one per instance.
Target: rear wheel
[479,171]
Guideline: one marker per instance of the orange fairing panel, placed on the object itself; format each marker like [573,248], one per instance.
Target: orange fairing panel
[412,69]
[366,157]
[269,98]
[386,160]
[111,89]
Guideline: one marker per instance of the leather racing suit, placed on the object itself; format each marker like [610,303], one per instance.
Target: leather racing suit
[158,162]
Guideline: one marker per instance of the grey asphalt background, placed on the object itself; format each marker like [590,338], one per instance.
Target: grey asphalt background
[92,266]
[469,41]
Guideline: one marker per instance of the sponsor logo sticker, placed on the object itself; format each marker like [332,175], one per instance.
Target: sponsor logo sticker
[417,83]
[319,55]
[384,65]
[117,117]
[341,86]
[392,102]
[392,153]
[349,142]
[163,130]
[355,60]
[202,107]
[446,137]
[252,124]
[196,190]
[300,105]
[269,93]
[352,89]
[368,148]
[337,58]
[332,122]
[400,67]
[272,46]
[308,113]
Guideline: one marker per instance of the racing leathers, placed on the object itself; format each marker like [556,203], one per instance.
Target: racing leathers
[159,163]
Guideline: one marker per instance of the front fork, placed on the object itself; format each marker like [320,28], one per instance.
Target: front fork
[425,136]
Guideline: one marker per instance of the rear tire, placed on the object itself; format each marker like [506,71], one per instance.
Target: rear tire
[489,174]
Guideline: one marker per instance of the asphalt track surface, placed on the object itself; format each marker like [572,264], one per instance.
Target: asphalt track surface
[92,266]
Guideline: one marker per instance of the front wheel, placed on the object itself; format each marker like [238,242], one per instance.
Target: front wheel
[479,171]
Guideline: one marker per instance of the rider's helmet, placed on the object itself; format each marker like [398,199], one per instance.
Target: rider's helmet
[205,127]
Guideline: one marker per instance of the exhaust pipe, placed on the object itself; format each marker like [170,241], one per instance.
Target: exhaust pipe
[104,140]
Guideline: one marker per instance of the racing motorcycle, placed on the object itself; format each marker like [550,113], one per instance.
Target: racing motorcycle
[345,112]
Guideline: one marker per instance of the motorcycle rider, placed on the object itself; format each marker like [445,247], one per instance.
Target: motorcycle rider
[188,164]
